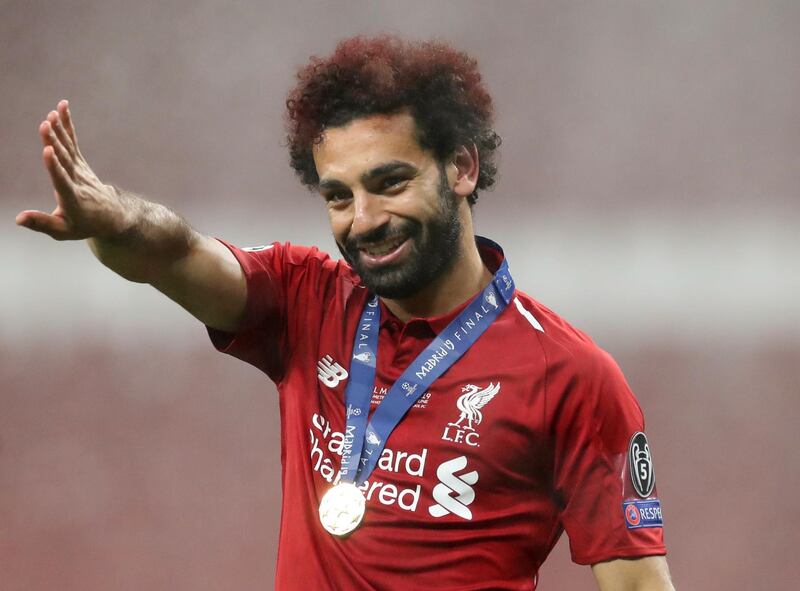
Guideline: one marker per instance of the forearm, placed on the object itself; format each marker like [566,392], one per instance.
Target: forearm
[149,241]
[157,246]
[639,574]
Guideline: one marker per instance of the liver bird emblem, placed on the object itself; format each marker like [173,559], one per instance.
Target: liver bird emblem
[472,401]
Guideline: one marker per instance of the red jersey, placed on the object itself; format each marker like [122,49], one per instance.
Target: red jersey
[532,432]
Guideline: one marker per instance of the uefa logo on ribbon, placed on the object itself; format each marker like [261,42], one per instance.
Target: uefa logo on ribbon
[409,388]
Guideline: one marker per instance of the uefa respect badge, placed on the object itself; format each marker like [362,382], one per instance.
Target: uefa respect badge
[640,514]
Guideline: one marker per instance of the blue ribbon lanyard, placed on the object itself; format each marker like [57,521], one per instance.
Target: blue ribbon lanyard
[364,441]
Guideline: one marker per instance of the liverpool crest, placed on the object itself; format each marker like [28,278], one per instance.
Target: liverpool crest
[469,404]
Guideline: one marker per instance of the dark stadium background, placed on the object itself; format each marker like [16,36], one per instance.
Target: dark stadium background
[648,192]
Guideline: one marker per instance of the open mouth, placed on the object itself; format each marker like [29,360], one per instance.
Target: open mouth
[386,251]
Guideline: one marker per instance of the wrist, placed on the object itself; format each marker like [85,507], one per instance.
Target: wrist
[126,217]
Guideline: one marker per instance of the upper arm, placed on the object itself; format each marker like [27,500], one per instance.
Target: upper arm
[209,283]
[267,294]
[594,420]
[650,573]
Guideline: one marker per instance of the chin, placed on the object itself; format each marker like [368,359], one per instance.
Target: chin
[393,284]
[395,292]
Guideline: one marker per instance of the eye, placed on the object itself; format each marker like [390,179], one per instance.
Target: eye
[393,183]
[336,197]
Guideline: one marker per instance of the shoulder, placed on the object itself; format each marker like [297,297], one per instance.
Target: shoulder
[289,259]
[298,255]
[563,344]
[582,378]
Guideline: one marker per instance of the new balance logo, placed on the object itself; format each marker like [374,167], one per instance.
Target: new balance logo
[329,372]
[454,493]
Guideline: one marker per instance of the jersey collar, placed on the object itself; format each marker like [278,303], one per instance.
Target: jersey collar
[492,256]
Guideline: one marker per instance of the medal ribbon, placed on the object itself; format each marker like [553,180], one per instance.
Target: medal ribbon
[364,441]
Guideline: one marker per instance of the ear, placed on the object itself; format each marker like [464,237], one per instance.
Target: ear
[465,166]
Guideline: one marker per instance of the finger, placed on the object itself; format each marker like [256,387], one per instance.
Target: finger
[44,132]
[62,134]
[54,226]
[66,118]
[59,176]
[50,139]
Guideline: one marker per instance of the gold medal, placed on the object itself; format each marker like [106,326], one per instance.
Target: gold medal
[342,509]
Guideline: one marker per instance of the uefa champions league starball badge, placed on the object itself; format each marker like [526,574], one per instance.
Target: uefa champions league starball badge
[342,509]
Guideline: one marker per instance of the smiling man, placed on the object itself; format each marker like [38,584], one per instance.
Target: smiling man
[440,428]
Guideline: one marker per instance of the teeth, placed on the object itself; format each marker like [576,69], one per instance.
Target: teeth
[384,248]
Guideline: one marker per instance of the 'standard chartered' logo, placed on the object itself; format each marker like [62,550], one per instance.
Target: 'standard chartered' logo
[470,404]
[454,493]
[329,372]
[399,481]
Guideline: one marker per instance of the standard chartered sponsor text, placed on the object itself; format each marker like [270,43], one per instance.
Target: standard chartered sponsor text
[325,441]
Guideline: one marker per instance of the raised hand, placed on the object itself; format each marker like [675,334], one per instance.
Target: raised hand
[85,207]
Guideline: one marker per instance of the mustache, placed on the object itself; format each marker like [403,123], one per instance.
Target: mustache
[404,229]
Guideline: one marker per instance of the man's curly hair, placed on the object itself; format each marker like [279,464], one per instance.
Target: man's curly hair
[440,87]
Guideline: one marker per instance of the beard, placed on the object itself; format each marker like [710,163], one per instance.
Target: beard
[435,247]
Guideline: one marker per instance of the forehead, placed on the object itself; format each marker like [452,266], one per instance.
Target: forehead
[346,152]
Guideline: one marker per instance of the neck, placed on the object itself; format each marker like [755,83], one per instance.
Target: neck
[465,279]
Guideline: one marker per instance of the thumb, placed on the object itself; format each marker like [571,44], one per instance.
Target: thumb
[54,226]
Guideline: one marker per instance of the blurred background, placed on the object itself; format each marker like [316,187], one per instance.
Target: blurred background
[648,192]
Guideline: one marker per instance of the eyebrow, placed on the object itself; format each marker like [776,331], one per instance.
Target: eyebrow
[382,170]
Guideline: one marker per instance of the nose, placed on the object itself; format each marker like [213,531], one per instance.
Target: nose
[369,213]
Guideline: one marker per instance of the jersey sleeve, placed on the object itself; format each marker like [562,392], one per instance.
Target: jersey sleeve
[282,280]
[608,512]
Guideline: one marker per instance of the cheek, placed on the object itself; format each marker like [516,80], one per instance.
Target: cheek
[424,206]
[420,202]
[340,224]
